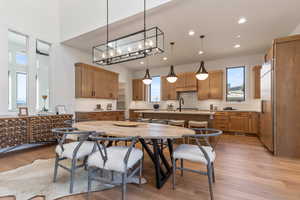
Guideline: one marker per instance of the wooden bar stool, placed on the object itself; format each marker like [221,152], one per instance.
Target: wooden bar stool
[197,124]
[180,123]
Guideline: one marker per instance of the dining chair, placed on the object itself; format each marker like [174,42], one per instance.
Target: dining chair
[199,153]
[126,160]
[74,151]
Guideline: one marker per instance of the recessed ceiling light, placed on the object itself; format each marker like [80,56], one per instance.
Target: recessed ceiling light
[238,36]
[165,58]
[142,63]
[242,20]
[191,32]
[201,52]
[237,46]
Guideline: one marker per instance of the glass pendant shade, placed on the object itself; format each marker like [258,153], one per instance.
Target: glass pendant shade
[202,74]
[147,80]
[172,77]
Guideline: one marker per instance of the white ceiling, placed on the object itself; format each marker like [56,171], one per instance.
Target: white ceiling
[217,19]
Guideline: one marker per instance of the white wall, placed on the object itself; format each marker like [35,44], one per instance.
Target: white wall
[296,31]
[79,16]
[248,61]
[40,19]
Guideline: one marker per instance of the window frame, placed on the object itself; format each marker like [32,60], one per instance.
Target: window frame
[149,99]
[244,83]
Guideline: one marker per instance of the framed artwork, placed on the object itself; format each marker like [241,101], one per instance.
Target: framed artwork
[23,111]
[60,109]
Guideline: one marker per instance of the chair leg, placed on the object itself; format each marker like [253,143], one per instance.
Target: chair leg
[209,174]
[181,166]
[124,176]
[213,172]
[141,171]
[174,173]
[73,167]
[89,179]
[55,168]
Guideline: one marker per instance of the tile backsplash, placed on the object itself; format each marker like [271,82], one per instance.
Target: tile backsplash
[90,104]
[191,101]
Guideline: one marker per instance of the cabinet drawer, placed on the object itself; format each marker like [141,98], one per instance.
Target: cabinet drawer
[239,114]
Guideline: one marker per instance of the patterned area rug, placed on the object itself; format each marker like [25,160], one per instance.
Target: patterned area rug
[36,179]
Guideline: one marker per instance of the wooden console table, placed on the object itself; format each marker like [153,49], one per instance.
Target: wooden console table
[16,131]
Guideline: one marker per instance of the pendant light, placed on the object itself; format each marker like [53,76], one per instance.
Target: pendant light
[147,80]
[172,77]
[202,74]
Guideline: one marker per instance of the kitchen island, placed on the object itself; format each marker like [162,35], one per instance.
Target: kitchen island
[187,115]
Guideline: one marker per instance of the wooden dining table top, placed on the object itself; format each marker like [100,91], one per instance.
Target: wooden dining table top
[143,130]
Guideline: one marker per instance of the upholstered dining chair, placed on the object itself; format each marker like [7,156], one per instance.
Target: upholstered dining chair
[78,150]
[126,160]
[199,153]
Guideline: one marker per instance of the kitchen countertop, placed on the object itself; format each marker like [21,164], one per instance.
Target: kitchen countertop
[188,112]
[93,111]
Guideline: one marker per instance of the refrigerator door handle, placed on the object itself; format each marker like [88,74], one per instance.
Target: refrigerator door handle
[262,106]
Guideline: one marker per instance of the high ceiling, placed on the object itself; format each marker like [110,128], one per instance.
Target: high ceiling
[216,19]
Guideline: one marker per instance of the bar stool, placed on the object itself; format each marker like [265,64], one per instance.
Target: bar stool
[197,124]
[180,123]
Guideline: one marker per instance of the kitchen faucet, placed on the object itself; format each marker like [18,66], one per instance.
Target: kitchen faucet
[181,102]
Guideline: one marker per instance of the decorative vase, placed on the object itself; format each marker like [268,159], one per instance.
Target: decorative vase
[156,106]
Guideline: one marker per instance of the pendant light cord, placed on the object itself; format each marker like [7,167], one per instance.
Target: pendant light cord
[145,26]
[107,36]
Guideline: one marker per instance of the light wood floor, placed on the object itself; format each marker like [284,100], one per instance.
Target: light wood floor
[244,171]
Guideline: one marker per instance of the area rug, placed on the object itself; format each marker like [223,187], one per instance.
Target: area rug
[36,179]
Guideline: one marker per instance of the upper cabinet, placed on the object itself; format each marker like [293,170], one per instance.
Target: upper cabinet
[186,82]
[212,87]
[94,82]
[256,78]
[168,90]
[138,90]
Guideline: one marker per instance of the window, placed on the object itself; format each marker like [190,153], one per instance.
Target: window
[17,70]
[42,74]
[155,89]
[21,78]
[235,77]
[21,58]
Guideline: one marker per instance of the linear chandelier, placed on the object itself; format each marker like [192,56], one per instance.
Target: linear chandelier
[130,47]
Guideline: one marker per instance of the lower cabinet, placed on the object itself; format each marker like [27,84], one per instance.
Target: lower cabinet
[239,122]
[100,116]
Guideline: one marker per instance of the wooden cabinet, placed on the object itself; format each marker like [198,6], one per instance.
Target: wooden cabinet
[94,82]
[212,87]
[134,116]
[239,122]
[186,82]
[168,90]
[256,77]
[138,90]
[100,116]
[216,84]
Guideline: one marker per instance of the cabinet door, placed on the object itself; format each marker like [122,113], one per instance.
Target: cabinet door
[190,81]
[87,82]
[138,90]
[112,86]
[168,90]
[239,122]
[216,85]
[203,89]
[100,84]
[256,75]
[78,82]
[253,123]
[180,83]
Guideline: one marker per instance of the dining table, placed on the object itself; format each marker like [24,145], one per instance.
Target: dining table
[156,139]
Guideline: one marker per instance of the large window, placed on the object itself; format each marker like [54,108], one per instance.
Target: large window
[155,89]
[235,82]
[42,74]
[17,70]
